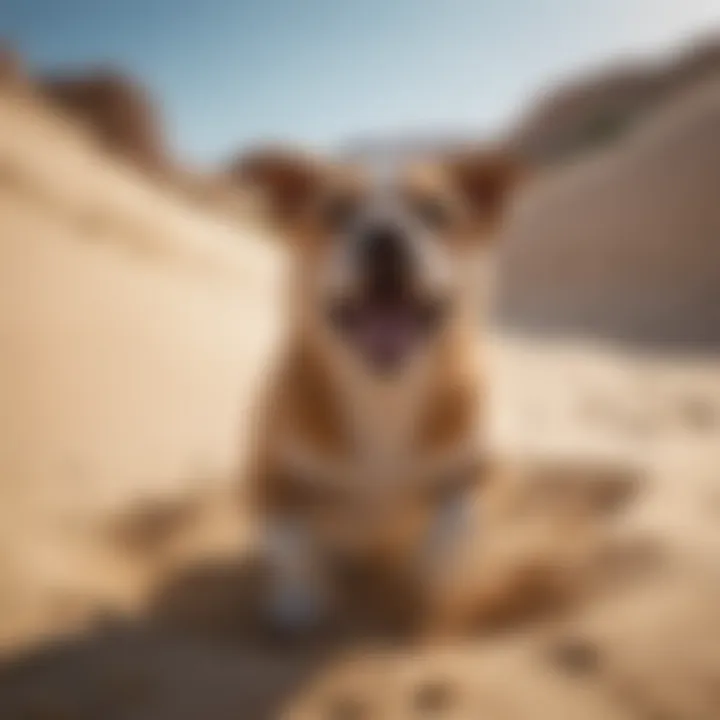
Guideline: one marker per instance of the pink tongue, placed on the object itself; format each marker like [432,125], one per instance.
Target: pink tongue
[386,335]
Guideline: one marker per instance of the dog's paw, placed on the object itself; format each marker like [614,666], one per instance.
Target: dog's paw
[297,608]
[294,613]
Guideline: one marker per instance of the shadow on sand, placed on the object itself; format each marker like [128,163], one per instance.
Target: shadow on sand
[196,654]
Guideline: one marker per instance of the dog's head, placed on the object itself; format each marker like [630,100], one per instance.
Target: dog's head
[383,265]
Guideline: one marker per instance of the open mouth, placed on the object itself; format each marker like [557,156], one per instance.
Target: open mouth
[385,332]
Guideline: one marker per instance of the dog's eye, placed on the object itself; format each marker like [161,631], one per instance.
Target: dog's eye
[434,212]
[338,212]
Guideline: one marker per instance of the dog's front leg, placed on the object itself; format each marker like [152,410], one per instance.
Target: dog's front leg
[447,555]
[297,599]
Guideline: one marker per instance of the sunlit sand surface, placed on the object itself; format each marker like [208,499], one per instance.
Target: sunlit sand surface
[134,331]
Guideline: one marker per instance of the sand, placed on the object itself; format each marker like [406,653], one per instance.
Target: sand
[135,331]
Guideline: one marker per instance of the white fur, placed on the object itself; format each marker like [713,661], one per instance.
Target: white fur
[454,519]
[297,598]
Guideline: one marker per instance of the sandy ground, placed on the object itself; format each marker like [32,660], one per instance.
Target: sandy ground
[130,355]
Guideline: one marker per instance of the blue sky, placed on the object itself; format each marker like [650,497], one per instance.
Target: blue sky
[232,72]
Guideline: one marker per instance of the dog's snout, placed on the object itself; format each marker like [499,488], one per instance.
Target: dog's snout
[385,259]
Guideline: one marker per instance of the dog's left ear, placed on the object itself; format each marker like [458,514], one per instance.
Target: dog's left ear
[286,180]
[487,180]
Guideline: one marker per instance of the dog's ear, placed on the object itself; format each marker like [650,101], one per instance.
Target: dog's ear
[284,179]
[486,180]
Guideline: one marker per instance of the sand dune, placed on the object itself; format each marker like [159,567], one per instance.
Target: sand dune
[593,111]
[625,243]
[131,326]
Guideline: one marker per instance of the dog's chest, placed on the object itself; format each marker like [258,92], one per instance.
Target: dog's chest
[378,449]
[382,426]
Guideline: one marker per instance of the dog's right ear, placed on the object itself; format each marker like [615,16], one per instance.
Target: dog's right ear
[487,179]
[285,181]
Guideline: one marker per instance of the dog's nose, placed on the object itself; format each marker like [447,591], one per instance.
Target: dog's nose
[385,260]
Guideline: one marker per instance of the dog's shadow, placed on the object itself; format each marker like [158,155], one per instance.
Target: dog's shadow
[198,652]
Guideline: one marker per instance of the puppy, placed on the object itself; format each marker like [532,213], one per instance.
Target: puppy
[371,428]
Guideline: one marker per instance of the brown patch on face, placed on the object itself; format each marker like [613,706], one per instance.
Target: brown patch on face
[305,198]
[486,180]
[286,179]
[428,192]
[464,196]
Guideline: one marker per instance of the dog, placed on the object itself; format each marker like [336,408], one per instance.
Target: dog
[370,435]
